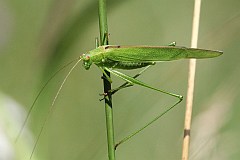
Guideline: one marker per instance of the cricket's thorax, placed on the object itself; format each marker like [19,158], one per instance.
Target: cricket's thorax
[100,57]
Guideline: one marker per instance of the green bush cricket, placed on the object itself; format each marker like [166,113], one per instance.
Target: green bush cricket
[111,57]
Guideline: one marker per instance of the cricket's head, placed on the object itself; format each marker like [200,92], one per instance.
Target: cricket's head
[86,61]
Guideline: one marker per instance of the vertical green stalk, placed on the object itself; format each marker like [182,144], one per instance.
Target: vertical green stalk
[107,85]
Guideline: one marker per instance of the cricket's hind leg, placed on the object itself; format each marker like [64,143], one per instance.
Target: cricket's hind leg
[133,81]
[127,84]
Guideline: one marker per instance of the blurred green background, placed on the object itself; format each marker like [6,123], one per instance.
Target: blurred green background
[38,37]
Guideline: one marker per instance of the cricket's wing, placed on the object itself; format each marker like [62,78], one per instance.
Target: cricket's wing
[155,53]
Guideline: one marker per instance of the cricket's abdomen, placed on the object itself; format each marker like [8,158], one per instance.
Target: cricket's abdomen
[132,65]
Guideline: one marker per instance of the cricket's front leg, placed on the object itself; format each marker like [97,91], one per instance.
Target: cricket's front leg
[107,78]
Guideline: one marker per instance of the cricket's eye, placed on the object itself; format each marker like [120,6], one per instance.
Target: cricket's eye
[87,58]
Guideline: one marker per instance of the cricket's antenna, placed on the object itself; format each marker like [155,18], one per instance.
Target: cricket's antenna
[35,100]
[51,107]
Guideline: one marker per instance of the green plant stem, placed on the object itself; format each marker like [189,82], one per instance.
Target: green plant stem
[107,85]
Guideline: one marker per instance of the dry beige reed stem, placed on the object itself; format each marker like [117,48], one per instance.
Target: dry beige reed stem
[191,77]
